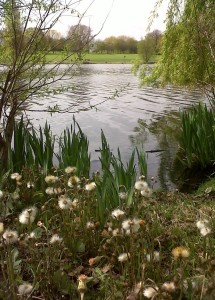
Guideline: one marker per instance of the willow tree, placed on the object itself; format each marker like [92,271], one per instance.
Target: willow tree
[188,46]
[23,57]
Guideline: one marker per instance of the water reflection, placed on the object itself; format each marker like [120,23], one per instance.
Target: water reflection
[133,118]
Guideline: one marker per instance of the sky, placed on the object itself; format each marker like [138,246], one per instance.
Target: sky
[116,17]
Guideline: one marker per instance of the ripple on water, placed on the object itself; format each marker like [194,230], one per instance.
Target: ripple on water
[122,117]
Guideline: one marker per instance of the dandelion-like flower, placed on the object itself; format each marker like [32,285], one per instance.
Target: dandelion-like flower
[150,292]
[90,225]
[25,288]
[75,203]
[70,170]
[18,178]
[168,287]
[123,257]
[64,202]
[10,236]
[14,176]
[73,181]
[131,224]
[180,252]
[123,195]
[205,231]
[117,213]
[28,215]
[202,225]
[115,232]
[32,235]
[147,192]
[1,194]
[90,186]
[53,191]
[141,185]
[51,179]
[55,239]
[49,190]
[30,185]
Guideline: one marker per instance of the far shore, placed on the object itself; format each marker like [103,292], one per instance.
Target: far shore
[95,58]
[99,58]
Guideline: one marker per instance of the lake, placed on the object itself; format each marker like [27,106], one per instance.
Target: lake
[128,114]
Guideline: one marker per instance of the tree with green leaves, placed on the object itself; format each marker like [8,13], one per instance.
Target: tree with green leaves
[188,46]
[25,26]
[146,48]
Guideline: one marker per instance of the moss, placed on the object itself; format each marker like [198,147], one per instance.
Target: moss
[207,185]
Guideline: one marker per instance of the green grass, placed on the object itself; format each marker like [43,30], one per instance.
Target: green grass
[96,58]
[88,247]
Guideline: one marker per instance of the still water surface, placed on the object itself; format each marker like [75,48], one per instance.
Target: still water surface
[122,118]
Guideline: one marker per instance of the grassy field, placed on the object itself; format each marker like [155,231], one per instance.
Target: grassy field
[96,58]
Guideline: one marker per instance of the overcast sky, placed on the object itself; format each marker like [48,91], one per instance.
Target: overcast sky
[126,17]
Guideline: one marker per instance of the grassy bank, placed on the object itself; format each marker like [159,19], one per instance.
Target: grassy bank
[64,234]
[95,58]
[56,243]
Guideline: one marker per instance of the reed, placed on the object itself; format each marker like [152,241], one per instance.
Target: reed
[73,150]
[20,154]
[42,145]
[197,140]
[115,188]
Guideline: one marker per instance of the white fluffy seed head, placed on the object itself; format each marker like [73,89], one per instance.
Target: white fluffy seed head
[141,185]
[14,176]
[147,193]
[117,213]
[70,170]
[205,231]
[10,236]
[202,223]
[28,215]
[150,292]
[30,185]
[123,257]
[25,288]
[168,287]
[64,202]
[51,179]
[55,239]
[90,186]
[131,224]
[73,181]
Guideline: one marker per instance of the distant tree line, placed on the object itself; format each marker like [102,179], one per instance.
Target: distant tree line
[80,37]
[146,47]
[112,44]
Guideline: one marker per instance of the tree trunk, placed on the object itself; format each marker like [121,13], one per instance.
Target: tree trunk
[3,153]
[5,142]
